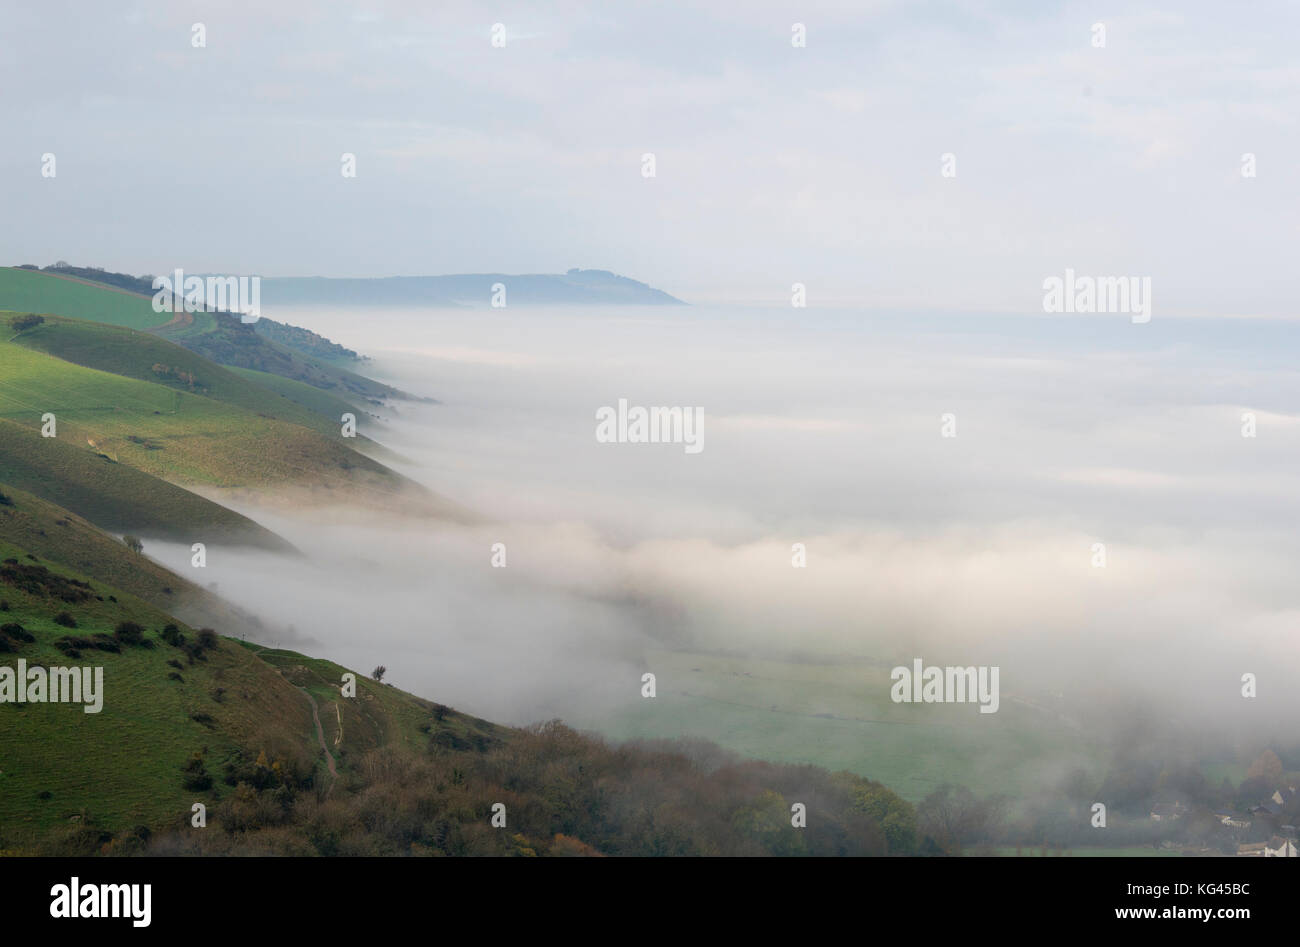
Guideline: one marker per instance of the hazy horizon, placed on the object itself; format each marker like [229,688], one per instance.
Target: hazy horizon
[821,164]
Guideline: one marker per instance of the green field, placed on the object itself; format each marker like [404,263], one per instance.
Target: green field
[29,291]
[116,497]
[839,716]
[138,355]
[220,339]
[169,431]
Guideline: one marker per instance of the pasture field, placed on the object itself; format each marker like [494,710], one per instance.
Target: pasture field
[839,716]
[29,291]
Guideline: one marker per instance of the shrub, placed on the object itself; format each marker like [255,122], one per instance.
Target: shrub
[66,620]
[72,646]
[16,631]
[23,323]
[196,774]
[172,635]
[173,676]
[128,632]
[6,500]
[207,639]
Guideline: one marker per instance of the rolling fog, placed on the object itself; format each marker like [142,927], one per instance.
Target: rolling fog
[821,428]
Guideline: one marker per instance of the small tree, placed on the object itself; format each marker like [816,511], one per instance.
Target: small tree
[133,543]
[379,672]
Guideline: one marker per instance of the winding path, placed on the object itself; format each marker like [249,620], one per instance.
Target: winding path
[320,735]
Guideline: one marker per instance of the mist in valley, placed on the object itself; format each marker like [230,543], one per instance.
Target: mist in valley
[822,429]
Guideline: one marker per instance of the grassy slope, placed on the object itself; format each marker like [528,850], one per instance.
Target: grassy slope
[122,767]
[220,339]
[176,434]
[116,497]
[134,355]
[324,403]
[227,341]
[54,533]
[29,291]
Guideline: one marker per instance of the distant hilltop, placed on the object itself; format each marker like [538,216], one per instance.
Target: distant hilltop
[576,287]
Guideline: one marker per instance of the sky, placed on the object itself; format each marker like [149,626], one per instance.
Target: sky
[774,164]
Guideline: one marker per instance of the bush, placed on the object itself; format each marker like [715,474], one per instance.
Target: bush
[207,639]
[16,631]
[6,500]
[173,676]
[196,774]
[172,635]
[128,632]
[72,646]
[23,323]
[66,620]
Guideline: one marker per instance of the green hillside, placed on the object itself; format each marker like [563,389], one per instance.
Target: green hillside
[170,429]
[321,402]
[30,291]
[52,532]
[117,497]
[217,337]
[163,702]
[151,358]
[226,340]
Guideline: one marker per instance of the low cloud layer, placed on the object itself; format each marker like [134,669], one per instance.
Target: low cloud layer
[822,430]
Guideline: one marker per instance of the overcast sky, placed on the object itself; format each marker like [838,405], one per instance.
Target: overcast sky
[775,164]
